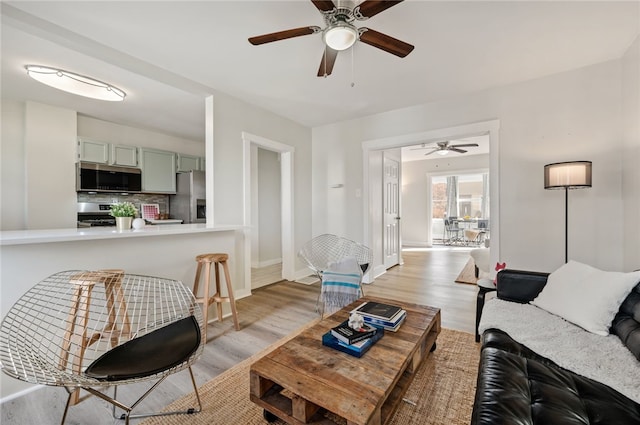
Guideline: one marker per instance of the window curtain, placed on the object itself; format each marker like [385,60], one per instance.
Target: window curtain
[452,196]
[484,207]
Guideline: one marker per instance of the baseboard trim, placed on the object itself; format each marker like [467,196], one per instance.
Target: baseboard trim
[260,264]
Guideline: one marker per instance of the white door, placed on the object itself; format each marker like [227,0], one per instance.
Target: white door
[391,212]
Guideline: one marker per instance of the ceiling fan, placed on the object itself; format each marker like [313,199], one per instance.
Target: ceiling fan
[443,148]
[340,33]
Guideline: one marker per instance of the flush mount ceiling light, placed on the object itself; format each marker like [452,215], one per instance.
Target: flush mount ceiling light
[341,36]
[75,83]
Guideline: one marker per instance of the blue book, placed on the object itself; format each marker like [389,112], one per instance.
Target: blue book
[356,349]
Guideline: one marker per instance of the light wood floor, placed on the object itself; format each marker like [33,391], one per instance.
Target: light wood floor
[426,277]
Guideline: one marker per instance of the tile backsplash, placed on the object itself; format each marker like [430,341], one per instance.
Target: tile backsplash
[136,199]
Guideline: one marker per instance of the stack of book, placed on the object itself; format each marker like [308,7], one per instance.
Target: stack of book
[386,316]
[355,342]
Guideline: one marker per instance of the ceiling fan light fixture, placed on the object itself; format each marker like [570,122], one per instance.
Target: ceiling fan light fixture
[340,36]
[75,83]
[443,152]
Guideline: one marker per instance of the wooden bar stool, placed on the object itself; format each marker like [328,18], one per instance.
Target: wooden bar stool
[206,300]
[76,340]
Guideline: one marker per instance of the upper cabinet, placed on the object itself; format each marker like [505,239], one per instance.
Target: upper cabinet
[188,163]
[93,151]
[107,153]
[124,155]
[158,171]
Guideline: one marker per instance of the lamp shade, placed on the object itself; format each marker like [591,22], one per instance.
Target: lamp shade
[340,36]
[567,175]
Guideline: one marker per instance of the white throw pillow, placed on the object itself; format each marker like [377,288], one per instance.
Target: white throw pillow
[586,296]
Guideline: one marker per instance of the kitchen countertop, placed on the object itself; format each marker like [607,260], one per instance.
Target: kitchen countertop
[21,237]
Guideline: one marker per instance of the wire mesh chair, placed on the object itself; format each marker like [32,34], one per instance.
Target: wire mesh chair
[99,329]
[321,252]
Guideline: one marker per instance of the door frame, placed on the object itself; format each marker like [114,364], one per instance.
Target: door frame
[286,201]
[372,235]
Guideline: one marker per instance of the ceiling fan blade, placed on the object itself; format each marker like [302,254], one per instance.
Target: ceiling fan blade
[324,5]
[429,153]
[370,8]
[283,35]
[385,42]
[451,148]
[328,60]
[466,145]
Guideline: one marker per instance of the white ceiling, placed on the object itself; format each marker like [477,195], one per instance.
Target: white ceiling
[169,55]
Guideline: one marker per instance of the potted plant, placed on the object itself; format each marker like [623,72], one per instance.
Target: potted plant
[124,212]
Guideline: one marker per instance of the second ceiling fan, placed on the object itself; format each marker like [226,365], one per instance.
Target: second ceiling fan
[340,33]
[444,147]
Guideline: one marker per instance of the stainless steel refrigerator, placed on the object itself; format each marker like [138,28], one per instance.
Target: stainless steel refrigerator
[189,203]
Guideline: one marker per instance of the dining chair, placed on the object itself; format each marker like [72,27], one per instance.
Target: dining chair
[93,330]
[340,264]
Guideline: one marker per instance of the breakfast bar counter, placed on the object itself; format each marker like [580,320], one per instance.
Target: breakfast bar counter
[19,237]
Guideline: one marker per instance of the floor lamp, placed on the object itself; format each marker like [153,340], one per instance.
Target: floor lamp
[567,175]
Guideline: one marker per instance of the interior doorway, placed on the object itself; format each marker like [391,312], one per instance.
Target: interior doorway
[266,243]
[373,177]
[252,144]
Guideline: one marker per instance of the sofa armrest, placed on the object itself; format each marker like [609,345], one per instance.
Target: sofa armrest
[519,285]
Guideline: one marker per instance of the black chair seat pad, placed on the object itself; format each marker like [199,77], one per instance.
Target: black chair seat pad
[149,354]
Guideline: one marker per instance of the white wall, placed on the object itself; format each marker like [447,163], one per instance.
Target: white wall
[12,172]
[415,201]
[232,117]
[568,116]
[631,155]
[50,176]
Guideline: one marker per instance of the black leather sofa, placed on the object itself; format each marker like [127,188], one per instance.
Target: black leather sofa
[517,386]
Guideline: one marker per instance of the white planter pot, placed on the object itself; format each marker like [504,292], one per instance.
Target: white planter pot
[123,223]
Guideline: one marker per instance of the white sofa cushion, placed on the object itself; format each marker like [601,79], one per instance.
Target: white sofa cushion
[586,296]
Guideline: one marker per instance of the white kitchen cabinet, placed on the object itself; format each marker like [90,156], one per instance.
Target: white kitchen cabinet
[158,171]
[107,153]
[188,162]
[124,155]
[93,151]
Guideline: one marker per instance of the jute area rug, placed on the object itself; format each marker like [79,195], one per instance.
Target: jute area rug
[468,273]
[441,393]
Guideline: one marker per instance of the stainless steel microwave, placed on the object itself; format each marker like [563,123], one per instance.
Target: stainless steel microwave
[107,178]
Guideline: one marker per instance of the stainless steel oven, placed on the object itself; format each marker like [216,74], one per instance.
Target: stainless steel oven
[92,214]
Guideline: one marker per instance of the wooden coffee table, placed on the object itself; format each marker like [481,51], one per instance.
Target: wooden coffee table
[301,380]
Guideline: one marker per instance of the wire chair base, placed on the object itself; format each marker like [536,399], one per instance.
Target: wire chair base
[128,409]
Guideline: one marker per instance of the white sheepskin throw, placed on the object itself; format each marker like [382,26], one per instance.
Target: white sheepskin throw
[601,358]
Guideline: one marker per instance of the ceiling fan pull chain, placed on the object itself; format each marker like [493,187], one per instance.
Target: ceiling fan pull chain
[353,48]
